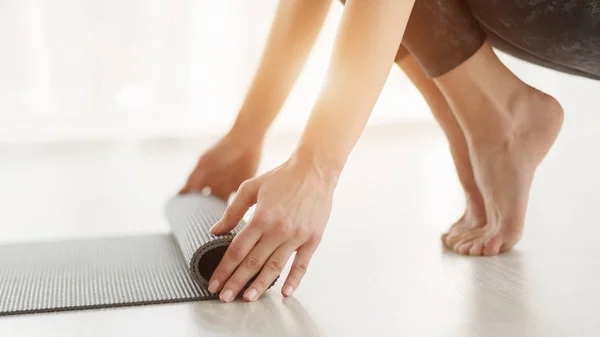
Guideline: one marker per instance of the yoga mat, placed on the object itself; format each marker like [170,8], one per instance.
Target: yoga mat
[118,271]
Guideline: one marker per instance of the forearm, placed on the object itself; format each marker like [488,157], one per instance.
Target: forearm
[293,33]
[368,38]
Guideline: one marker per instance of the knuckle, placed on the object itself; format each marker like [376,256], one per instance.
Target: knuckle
[261,218]
[244,186]
[302,232]
[235,252]
[252,262]
[228,212]
[256,226]
[274,265]
[316,238]
[284,227]
[220,275]
[300,268]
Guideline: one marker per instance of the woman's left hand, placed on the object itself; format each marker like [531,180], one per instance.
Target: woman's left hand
[293,203]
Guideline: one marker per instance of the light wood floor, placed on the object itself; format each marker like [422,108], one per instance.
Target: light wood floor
[380,271]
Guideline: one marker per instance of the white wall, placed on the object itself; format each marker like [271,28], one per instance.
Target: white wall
[139,68]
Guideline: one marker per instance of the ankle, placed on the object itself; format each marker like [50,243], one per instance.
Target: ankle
[484,104]
[490,76]
[489,122]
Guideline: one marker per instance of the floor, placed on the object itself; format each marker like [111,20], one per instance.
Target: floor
[380,270]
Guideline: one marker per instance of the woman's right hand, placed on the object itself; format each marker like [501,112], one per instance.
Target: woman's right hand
[226,165]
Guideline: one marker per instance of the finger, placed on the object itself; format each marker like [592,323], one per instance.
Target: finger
[249,268]
[195,182]
[245,198]
[270,271]
[299,267]
[201,187]
[239,248]
[188,188]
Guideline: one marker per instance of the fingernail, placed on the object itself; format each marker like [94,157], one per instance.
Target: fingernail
[251,294]
[288,291]
[213,286]
[227,296]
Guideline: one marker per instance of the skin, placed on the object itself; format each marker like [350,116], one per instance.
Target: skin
[293,201]
[499,130]
[474,215]
[509,128]
[295,29]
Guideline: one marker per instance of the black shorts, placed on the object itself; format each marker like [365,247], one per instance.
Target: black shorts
[561,35]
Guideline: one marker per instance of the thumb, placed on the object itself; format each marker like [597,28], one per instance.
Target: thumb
[243,200]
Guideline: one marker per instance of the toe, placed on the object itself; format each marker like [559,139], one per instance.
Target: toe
[466,235]
[450,240]
[465,247]
[453,238]
[492,247]
[476,249]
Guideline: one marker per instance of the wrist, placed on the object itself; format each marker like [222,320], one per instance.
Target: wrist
[329,165]
[247,132]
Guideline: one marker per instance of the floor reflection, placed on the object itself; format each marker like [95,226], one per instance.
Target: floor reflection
[270,316]
[499,283]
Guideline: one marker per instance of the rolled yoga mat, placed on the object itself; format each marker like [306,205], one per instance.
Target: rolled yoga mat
[118,271]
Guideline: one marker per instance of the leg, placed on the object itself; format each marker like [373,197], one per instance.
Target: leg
[509,128]
[508,125]
[474,215]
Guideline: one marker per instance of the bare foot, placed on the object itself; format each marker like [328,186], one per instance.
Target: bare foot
[504,162]
[474,215]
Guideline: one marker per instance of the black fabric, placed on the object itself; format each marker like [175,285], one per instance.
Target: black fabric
[442,34]
[563,35]
[560,35]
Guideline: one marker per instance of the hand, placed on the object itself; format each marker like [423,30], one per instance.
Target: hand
[293,203]
[226,165]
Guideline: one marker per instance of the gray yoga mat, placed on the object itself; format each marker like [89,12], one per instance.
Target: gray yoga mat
[117,271]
